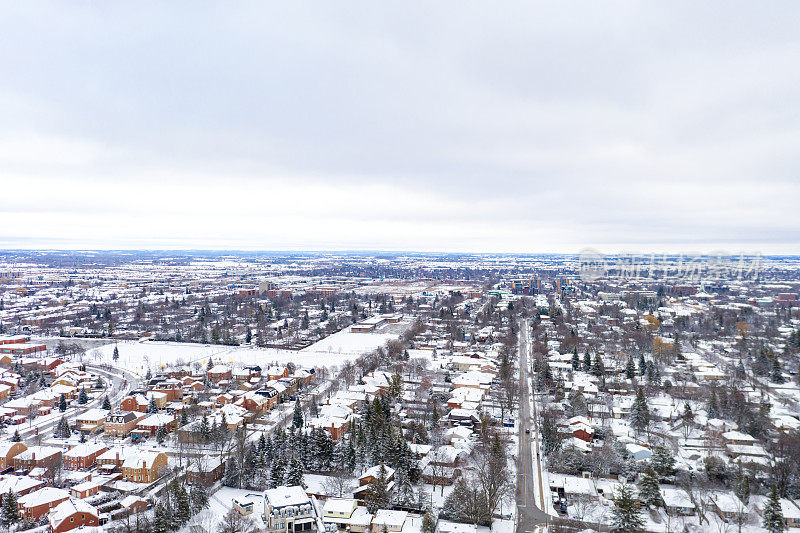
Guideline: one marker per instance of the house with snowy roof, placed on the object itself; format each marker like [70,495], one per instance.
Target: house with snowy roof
[71,514]
[288,510]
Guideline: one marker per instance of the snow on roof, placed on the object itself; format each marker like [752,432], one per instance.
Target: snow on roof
[283,496]
[390,518]
[84,450]
[42,496]
[376,470]
[66,509]
[675,497]
[339,506]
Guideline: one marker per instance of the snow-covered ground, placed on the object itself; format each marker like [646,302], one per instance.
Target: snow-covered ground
[334,350]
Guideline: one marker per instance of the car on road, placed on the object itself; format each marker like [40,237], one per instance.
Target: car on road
[527,431]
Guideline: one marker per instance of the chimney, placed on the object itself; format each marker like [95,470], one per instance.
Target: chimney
[118,457]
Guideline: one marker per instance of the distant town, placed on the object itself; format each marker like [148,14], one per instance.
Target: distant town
[394,392]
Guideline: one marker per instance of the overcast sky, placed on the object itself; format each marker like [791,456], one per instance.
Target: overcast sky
[486,127]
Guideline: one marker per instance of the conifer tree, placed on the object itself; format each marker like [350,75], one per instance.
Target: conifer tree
[106,404]
[277,473]
[587,361]
[152,407]
[713,406]
[10,513]
[16,437]
[297,419]
[649,492]
[630,369]
[773,513]
[294,474]
[83,398]
[378,496]
[643,366]
[640,413]
[116,353]
[62,403]
[576,361]
[626,514]
[662,461]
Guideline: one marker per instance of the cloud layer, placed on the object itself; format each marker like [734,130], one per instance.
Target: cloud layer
[454,126]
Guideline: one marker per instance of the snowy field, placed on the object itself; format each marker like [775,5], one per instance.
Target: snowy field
[332,351]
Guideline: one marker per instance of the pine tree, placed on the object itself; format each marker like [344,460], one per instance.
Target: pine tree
[198,497]
[232,474]
[576,361]
[626,514]
[276,473]
[161,434]
[294,474]
[62,403]
[378,496]
[649,492]
[116,353]
[183,508]
[10,514]
[773,514]
[776,373]
[643,366]
[83,398]
[662,461]
[152,407]
[149,375]
[161,519]
[598,369]
[640,413]
[297,419]
[587,361]
[16,437]
[713,406]
[630,369]
[428,523]
[106,404]
[62,429]
[743,489]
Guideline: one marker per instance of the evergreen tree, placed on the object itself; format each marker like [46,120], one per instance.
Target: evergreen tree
[83,398]
[183,508]
[297,419]
[276,473]
[587,361]
[773,514]
[62,430]
[630,369]
[643,366]
[149,375]
[598,369]
[205,430]
[198,497]
[743,489]
[294,474]
[116,353]
[232,474]
[576,361]
[106,404]
[16,437]
[626,514]
[10,513]
[662,461]
[62,403]
[377,496]
[152,407]
[649,492]
[776,373]
[161,519]
[161,434]
[713,406]
[640,413]
[428,523]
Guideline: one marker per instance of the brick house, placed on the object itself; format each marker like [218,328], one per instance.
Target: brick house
[144,467]
[8,450]
[121,424]
[37,456]
[83,456]
[72,514]
[36,504]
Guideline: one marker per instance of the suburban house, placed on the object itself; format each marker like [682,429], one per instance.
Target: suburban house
[288,510]
[144,467]
[71,514]
[83,456]
[9,450]
[35,505]
[121,424]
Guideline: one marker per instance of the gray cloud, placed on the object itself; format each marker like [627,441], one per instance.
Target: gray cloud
[521,127]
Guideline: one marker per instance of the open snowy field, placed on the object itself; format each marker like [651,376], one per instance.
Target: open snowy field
[332,351]
[348,343]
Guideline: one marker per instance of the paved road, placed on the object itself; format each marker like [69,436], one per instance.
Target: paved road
[529,489]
